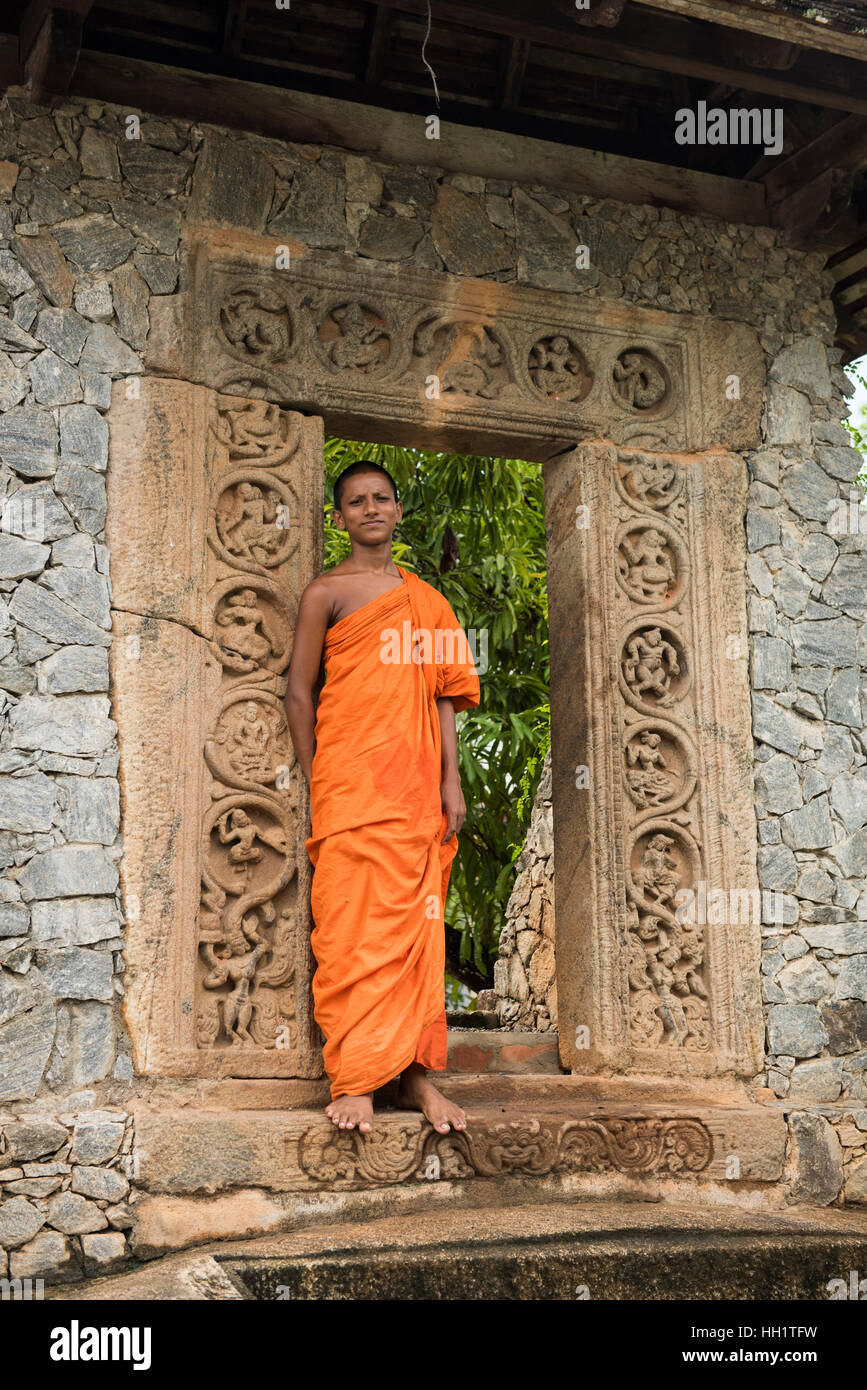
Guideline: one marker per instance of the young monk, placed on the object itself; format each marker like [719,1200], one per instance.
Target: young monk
[380,756]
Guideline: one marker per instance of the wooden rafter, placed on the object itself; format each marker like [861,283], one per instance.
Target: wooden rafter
[234,19]
[775,20]
[810,192]
[844,146]
[517,52]
[649,44]
[818,213]
[376,49]
[49,44]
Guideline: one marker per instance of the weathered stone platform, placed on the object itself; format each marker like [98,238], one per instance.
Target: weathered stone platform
[225,1173]
[602,1251]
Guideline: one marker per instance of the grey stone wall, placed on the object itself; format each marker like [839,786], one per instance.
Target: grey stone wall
[807,568]
[524,974]
[65,1186]
[73,314]
[89,230]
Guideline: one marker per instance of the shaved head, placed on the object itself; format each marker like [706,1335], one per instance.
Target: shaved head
[362,466]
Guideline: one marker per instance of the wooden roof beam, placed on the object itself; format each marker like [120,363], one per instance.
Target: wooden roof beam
[234,19]
[851,336]
[651,44]
[775,20]
[818,213]
[392,135]
[375,62]
[810,192]
[517,53]
[49,44]
[855,251]
[844,146]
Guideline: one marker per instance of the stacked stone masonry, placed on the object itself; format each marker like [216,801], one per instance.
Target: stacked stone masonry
[524,973]
[90,224]
[65,1186]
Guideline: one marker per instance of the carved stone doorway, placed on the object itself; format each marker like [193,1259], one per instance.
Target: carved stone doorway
[626,410]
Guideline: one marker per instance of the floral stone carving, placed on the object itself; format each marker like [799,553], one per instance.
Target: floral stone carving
[531,1148]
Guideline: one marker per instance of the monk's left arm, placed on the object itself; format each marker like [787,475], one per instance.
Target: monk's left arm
[452,794]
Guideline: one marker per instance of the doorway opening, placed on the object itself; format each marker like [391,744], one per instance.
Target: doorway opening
[474,528]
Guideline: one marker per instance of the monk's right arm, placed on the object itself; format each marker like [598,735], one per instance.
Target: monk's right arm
[313,614]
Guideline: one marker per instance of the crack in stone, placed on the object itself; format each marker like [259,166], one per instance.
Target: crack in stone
[162,618]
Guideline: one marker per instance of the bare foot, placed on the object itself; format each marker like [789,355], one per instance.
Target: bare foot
[416,1092]
[348,1111]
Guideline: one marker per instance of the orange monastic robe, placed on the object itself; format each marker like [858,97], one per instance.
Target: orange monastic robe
[381,870]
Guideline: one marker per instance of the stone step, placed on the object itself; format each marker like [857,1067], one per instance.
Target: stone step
[208,1173]
[558,1251]
[187,1151]
[503,1050]
[512,1088]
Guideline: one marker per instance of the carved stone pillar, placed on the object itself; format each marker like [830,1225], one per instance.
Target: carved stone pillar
[214,529]
[652,774]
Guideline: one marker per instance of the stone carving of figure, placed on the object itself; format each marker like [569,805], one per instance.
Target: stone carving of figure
[254,430]
[237,830]
[649,477]
[249,744]
[358,345]
[474,376]
[555,367]
[675,953]
[256,322]
[640,381]
[690,941]
[660,957]
[645,564]
[650,664]
[664,961]
[236,965]
[660,876]
[249,530]
[469,358]
[249,640]
[649,779]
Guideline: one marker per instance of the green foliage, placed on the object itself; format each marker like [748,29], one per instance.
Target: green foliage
[858,429]
[474,528]
[541,725]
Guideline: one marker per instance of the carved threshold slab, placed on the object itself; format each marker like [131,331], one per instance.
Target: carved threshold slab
[411,356]
[184,1152]
[650,698]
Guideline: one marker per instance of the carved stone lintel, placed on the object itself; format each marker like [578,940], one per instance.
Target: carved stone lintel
[421,357]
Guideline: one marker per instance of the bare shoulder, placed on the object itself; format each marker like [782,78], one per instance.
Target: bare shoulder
[319,594]
[325,592]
